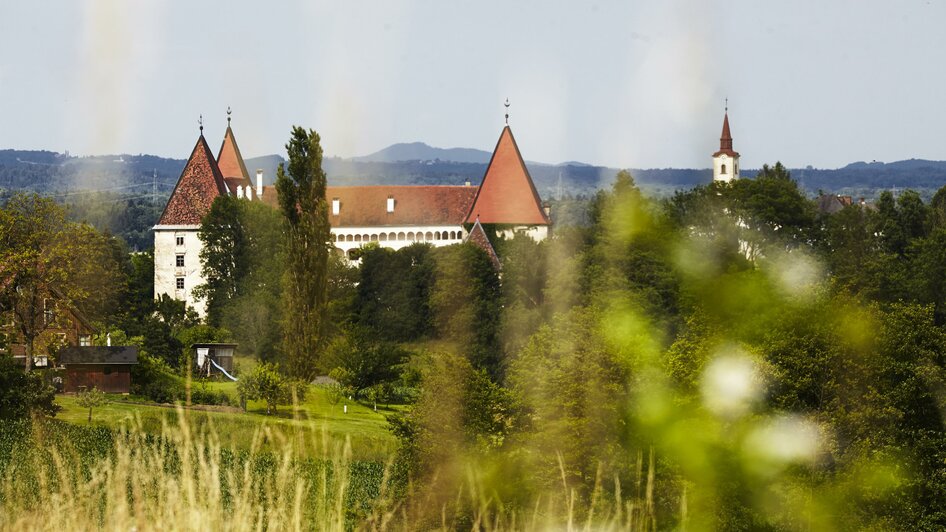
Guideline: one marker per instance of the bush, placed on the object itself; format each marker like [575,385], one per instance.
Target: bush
[153,378]
[23,394]
[267,384]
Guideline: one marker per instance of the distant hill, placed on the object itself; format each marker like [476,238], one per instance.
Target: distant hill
[418,151]
[148,176]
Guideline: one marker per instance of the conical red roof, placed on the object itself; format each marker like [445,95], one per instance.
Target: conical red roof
[200,183]
[230,162]
[478,238]
[507,194]
[725,140]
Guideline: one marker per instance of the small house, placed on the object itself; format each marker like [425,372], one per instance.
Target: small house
[107,368]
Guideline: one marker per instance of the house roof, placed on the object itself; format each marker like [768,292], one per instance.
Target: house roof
[725,140]
[478,238]
[507,194]
[413,205]
[230,161]
[98,354]
[200,183]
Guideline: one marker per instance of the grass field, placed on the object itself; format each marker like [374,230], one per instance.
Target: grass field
[315,417]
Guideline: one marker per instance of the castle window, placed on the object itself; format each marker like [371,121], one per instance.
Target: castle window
[180,240]
[179,260]
[401,236]
[180,283]
[428,236]
[723,171]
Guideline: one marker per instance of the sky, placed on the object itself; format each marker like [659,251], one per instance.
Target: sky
[639,84]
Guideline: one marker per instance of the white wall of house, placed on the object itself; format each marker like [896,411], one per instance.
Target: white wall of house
[170,242]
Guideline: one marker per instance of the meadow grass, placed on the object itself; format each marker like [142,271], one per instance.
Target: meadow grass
[366,428]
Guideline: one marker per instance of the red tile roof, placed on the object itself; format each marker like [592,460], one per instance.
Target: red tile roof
[507,194]
[230,161]
[478,238]
[200,183]
[725,140]
[413,205]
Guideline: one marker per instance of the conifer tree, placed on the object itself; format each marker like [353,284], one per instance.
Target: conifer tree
[301,191]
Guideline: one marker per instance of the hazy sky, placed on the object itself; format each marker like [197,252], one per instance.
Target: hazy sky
[624,83]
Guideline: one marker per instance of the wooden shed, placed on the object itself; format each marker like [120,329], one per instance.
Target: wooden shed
[107,368]
[214,358]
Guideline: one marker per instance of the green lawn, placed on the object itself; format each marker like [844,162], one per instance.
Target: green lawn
[316,421]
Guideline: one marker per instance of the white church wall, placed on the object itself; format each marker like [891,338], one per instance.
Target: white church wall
[732,168]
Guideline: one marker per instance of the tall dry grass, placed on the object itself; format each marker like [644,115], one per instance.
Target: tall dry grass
[185,480]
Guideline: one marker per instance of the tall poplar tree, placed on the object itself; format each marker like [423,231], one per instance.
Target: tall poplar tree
[301,192]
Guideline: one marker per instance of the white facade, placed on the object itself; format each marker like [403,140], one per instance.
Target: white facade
[535,232]
[396,237]
[177,266]
[725,167]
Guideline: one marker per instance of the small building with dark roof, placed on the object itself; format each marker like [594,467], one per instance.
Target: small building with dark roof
[107,368]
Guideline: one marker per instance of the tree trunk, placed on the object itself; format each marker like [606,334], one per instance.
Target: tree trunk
[29,354]
[90,415]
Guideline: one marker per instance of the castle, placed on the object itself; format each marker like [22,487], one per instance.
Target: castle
[391,216]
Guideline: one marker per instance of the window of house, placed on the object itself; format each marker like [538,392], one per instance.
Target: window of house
[180,283]
[85,340]
[724,169]
[49,311]
[180,240]
[179,260]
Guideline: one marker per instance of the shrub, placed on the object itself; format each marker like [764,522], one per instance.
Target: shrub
[267,384]
[23,394]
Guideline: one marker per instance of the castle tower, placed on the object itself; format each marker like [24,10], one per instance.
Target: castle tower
[177,246]
[507,196]
[725,161]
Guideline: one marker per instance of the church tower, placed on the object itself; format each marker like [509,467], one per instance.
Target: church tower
[725,161]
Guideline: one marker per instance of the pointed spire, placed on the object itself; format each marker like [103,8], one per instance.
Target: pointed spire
[725,138]
[230,160]
[200,183]
[507,194]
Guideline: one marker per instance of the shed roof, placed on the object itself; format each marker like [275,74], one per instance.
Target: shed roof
[98,354]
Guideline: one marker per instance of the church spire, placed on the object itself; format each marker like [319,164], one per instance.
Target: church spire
[726,160]
[725,139]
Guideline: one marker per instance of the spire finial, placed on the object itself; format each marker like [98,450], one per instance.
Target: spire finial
[200,120]
[727,104]
[228,116]
[507,111]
